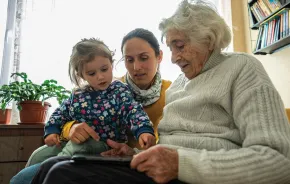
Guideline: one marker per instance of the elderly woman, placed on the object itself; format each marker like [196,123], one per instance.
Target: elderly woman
[223,122]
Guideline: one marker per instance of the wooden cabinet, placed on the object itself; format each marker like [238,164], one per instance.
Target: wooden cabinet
[17,142]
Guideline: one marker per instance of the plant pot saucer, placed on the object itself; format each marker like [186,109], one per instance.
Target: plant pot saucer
[19,123]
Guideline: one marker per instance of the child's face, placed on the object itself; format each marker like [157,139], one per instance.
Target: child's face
[98,73]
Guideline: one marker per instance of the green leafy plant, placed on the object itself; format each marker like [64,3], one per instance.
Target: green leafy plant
[25,90]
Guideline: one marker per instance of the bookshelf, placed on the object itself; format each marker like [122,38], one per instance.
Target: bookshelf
[271,19]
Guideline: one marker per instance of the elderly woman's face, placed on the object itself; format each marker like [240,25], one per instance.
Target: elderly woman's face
[187,57]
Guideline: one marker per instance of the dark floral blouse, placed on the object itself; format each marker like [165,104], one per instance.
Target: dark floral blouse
[109,112]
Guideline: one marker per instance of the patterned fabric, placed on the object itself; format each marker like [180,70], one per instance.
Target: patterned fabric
[109,112]
[149,96]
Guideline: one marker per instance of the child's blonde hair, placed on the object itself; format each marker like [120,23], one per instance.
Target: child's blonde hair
[83,52]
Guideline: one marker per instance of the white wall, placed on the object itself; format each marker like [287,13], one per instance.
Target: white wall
[278,67]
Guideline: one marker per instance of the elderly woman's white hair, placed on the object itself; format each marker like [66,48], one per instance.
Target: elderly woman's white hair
[201,24]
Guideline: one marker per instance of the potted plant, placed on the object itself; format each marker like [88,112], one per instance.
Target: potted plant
[5,116]
[5,113]
[31,98]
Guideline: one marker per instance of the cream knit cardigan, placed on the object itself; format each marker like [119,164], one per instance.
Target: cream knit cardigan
[228,124]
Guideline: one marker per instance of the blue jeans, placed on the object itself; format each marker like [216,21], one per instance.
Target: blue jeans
[26,175]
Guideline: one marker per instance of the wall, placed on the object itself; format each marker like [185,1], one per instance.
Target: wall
[277,64]
[238,26]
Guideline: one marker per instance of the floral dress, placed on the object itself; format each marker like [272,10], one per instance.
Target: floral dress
[109,112]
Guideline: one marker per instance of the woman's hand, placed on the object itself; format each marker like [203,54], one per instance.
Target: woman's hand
[52,139]
[146,140]
[80,132]
[118,149]
[159,163]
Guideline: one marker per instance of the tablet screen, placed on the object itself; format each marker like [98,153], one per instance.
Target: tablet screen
[102,159]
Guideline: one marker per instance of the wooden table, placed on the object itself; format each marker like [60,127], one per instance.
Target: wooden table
[17,142]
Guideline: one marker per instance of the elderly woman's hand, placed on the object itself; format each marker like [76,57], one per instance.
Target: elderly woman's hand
[80,132]
[159,163]
[118,149]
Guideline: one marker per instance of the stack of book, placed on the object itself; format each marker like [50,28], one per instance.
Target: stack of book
[263,8]
[274,29]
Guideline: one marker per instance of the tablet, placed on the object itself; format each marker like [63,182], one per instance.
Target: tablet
[97,158]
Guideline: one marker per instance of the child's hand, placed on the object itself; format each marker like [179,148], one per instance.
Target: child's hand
[147,140]
[52,139]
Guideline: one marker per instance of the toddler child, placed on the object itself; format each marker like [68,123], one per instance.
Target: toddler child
[106,105]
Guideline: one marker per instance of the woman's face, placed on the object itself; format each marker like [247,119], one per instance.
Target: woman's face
[189,58]
[141,61]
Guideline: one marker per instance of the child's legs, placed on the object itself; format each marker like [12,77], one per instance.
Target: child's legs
[26,175]
[90,146]
[43,153]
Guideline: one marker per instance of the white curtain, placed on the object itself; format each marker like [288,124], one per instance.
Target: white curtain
[50,28]
[226,12]
[7,39]
[3,19]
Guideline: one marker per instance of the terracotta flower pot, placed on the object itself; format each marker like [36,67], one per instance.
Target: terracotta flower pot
[5,116]
[33,112]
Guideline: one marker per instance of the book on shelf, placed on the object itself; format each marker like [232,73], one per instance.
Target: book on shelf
[252,21]
[255,14]
[270,32]
[286,14]
[276,34]
[269,5]
[288,21]
[276,5]
[259,40]
[285,17]
[273,29]
[266,35]
[281,26]
[264,8]
[284,24]
[273,24]
[258,12]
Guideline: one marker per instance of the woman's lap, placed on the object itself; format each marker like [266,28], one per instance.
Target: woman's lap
[69,172]
[46,166]
[66,171]
[42,153]
[26,175]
